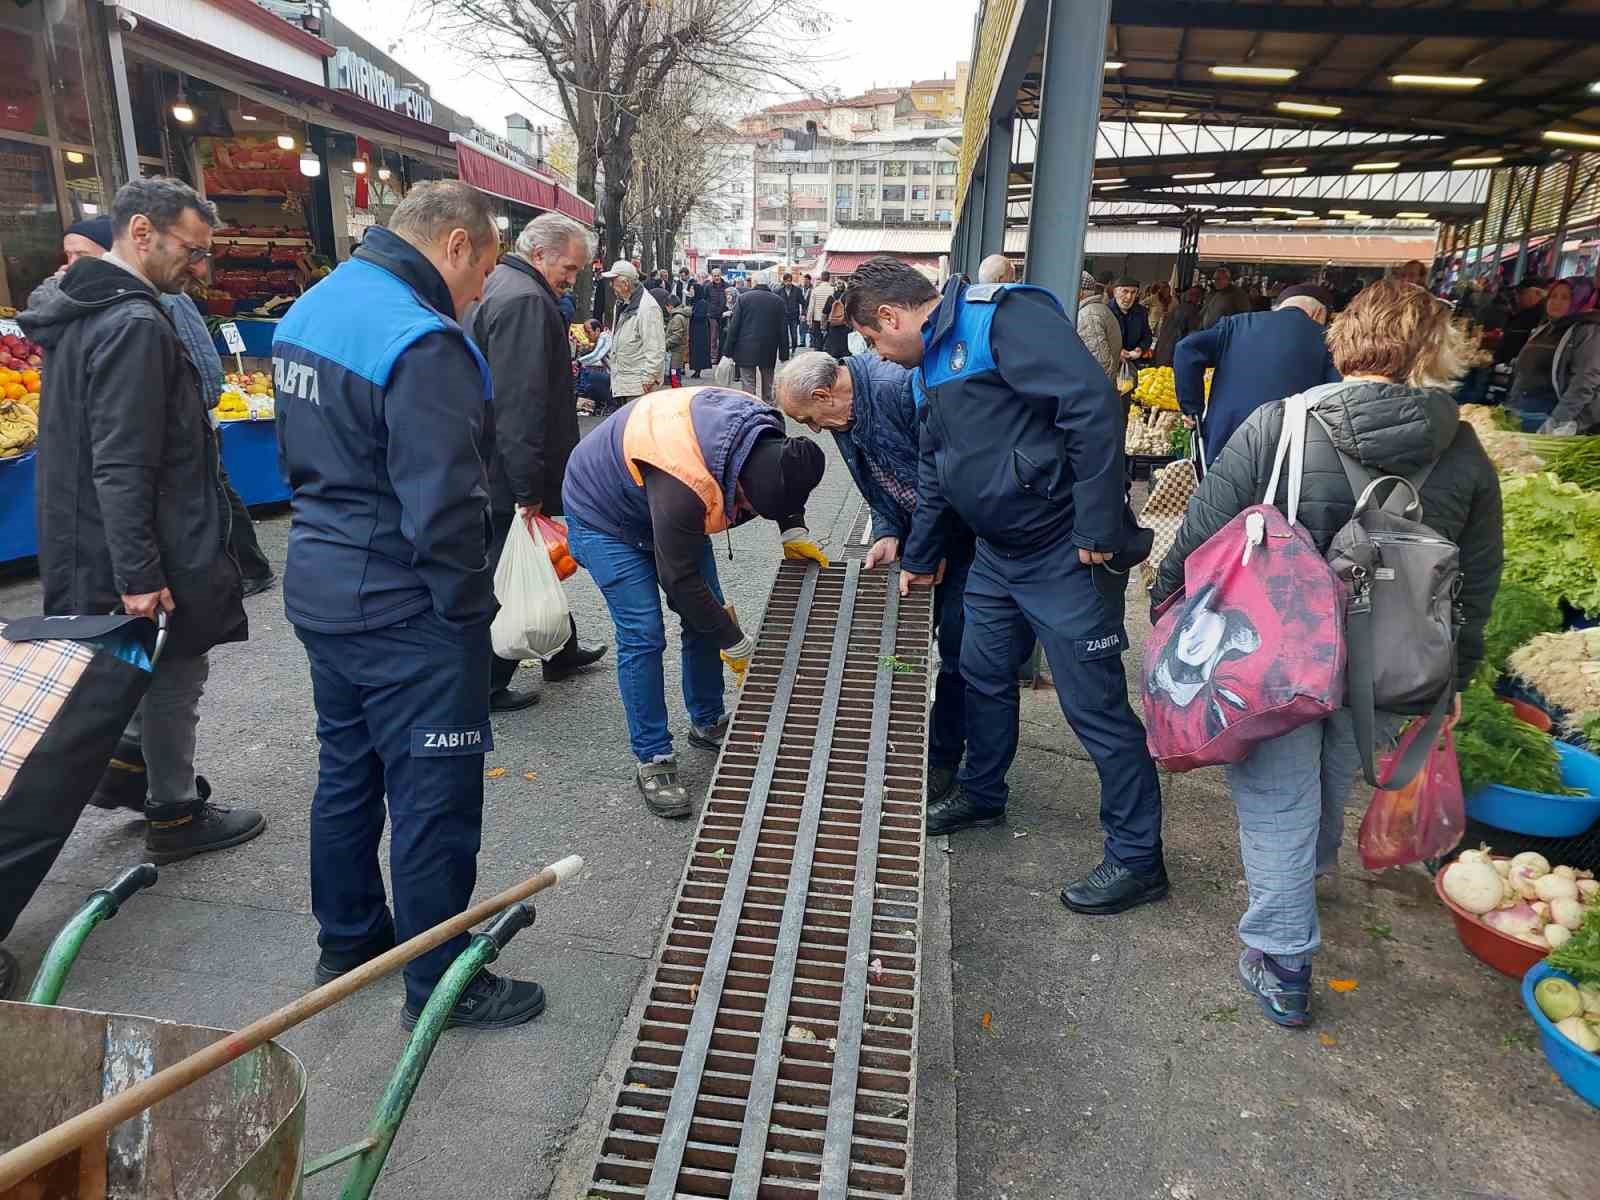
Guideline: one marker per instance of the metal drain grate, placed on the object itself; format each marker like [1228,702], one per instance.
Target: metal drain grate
[859,540]
[777,1054]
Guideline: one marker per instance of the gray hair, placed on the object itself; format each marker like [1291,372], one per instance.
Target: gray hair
[996,269]
[161,200]
[552,233]
[433,208]
[804,373]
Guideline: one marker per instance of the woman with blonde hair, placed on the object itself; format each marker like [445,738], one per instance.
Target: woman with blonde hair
[1393,412]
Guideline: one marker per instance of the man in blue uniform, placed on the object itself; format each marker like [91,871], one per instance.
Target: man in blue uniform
[1021,438]
[382,406]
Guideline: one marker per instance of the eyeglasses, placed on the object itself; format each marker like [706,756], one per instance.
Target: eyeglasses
[197,254]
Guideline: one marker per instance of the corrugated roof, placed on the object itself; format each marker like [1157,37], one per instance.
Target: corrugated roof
[810,104]
[933,83]
[1358,250]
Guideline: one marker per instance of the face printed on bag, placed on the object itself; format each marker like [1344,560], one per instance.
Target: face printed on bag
[1200,636]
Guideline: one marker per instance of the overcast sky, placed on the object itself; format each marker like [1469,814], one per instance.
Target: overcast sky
[869,44]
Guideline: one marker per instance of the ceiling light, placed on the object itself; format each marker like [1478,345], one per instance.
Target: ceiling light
[384,173]
[244,116]
[502,222]
[1345,212]
[1273,74]
[1283,170]
[182,112]
[1216,221]
[1460,82]
[1376,166]
[310,164]
[1308,110]
[75,157]
[359,166]
[1103,182]
[1116,187]
[1112,65]
[1161,115]
[286,141]
[1488,160]
[91,210]
[1358,217]
[1149,222]
[1412,216]
[1594,88]
[1571,137]
[1197,175]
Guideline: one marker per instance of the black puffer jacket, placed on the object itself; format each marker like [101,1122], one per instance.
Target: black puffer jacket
[1392,429]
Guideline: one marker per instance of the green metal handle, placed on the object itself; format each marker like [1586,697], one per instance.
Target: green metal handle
[101,905]
[482,950]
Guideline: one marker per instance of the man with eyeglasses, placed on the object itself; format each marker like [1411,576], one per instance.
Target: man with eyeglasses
[132,509]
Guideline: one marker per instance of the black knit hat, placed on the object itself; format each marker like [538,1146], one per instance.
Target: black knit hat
[96,229]
[780,474]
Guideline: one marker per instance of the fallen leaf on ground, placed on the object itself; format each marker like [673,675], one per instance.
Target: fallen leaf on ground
[1344,985]
[1327,1039]
[719,852]
[987,1020]
[694,992]
[875,970]
[530,775]
[494,772]
[799,1033]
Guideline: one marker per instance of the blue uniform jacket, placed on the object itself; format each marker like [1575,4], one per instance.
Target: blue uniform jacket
[1022,433]
[1259,357]
[382,402]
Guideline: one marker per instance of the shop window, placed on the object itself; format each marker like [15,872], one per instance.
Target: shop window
[70,96]
[869,168]
[845,166]
[922,168]
[944,193]
[894,191]
[841,191]
[894,168]
[85,193]
[30,223]
[919,191]
[947,168]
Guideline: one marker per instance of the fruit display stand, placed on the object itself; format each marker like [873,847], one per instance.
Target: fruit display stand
[250,452]
[17,536]
[257,333]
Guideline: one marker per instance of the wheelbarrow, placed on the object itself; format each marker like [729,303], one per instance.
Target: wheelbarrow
[225,1134]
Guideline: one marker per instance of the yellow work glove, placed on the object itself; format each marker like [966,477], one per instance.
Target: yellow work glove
[737,656]
[798,544]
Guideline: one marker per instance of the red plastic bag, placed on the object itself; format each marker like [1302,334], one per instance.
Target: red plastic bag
[555,537]
[1424,819]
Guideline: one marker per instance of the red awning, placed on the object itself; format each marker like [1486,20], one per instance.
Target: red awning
[843,262]
[495,175]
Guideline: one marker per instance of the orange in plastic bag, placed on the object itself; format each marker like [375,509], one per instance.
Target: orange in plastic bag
[1424,819]
[555,537]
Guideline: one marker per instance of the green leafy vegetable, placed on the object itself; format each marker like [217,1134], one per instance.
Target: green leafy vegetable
[1552,539]
[1519,614]
[1580,956]
[1577,460]
[1492,746]
[1591,729]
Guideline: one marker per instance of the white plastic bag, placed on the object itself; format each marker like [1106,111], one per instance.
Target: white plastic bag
[725,373]
[533,621]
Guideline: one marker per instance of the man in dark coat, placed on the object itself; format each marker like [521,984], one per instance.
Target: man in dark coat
[534,416]
[1132,317]
[794,299]
[757,336]
[1259,358]
[716,304]
[131,507]
[1183,320]
[1227,299]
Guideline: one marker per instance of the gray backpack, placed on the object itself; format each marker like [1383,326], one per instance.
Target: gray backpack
[1401,624]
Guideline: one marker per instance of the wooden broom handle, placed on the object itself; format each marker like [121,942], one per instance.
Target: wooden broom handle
[18,1164]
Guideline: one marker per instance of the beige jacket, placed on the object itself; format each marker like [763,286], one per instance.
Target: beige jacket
[821,302]
[1098,328]
[638,347]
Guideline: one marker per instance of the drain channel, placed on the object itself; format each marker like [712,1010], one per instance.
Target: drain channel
[777,1053]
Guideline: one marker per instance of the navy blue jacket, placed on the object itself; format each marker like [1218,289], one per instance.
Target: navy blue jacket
[382,404]
[1021,430]
[1259,358]
[883,435]
[1135,323]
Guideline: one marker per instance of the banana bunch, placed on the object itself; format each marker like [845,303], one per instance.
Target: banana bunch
[19,428]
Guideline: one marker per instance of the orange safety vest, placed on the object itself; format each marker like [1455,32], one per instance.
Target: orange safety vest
[660,432]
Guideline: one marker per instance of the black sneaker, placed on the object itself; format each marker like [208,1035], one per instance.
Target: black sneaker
[330,967]
[572,658]
[490,1002]
[663,794]
[205,829]
[958,811]
[1112,888]
[940,782]
[708,737]
[510,700]
[9,974]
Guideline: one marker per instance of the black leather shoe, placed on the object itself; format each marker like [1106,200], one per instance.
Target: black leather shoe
[330,967]
[941,780]
[1112,888]
[257,584]
[204,828]
[490,1001]
[957,811]
[575,656]
[510,700]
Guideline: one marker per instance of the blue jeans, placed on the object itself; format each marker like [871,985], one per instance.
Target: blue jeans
[402,711]
[1290,794]
[1076,613]
[626,575]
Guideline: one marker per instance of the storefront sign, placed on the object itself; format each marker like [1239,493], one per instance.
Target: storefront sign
[352,73]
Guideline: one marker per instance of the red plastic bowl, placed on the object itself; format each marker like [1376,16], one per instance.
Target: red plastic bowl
[1501,951]
[1529,715]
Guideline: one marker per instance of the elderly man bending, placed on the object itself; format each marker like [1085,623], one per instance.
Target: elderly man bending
[866,403]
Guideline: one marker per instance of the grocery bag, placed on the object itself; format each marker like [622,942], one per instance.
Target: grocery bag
[1169,498]
[1127,378]
[555,540]
[533,621]
[725,373]
[1423,819]
[68,686]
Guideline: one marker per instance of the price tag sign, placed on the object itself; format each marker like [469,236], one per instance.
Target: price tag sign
[9,328]
[232,338]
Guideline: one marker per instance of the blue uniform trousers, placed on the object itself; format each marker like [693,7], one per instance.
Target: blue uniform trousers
[402,711]
[1076,612]
[947,726]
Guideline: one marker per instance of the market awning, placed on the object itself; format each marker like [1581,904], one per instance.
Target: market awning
[1309,248]
[846,261]
[489,172]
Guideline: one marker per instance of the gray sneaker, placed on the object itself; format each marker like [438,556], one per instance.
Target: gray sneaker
[708,738]
[663,794]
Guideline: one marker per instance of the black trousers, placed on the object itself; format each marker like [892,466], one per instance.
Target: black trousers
[242,539]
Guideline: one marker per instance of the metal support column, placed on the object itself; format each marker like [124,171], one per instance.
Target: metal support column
[1513,181]
[1566,211]
[996,188]
[972,227]
[1188,250]
[1063,159]
[1527,225]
